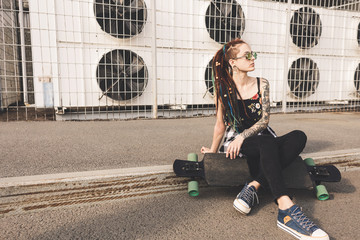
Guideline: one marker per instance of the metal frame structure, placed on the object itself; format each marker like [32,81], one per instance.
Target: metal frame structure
[107,59]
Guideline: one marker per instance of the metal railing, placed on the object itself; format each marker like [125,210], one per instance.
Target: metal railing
[107,59]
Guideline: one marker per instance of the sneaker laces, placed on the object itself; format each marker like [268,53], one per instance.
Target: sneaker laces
[248,195]
[304,221]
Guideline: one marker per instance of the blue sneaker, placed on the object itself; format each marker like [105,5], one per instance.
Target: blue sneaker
[245,200]
[294,221]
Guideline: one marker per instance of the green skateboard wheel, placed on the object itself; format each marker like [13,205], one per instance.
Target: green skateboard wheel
[309,161]
[321,192]
[193,188]
[192,157]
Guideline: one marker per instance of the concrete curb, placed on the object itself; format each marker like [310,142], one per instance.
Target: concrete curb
[29,193]
[82,176]
[343,159]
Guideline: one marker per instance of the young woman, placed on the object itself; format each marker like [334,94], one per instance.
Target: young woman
[242,114]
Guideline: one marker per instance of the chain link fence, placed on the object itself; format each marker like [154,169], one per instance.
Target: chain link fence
[129,59]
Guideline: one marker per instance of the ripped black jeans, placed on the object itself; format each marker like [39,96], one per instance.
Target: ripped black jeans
[267,156]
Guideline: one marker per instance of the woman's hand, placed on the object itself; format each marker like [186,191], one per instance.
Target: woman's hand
[205,150]
[234,147]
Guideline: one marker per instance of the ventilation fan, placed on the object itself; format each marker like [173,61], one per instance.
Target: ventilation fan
[208,79]
[357,79]
[225,20]
[303,77]
[305,28]
[121,75]
[121,18]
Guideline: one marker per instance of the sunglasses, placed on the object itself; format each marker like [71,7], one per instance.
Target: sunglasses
[248,56]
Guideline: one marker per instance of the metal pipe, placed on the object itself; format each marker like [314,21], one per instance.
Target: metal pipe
[23,53]
[154,60]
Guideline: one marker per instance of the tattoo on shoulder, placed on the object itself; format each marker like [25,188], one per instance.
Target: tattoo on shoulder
[264,81]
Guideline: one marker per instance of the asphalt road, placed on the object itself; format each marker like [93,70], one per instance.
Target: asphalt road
[32,148]
[178,216]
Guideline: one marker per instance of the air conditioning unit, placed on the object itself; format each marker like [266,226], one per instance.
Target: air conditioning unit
[94,52]
[323,52]
[99,52]
[224,20]
[229,19]
[184,49]
[324,55]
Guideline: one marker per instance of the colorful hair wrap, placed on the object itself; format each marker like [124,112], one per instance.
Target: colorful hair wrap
[230,117]
[224,49]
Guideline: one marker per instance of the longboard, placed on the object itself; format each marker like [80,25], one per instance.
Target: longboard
[217,170]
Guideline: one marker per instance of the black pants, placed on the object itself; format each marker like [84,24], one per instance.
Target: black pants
[267,156]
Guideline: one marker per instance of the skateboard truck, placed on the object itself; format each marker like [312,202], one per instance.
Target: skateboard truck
[193,185]
[320,172]
[193,167]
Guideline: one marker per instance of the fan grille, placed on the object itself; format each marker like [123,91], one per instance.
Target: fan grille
[122,75]
[121,18]
[208,78]
[357,79]
[225,20]
[358,35]
[303,77]
[305,28]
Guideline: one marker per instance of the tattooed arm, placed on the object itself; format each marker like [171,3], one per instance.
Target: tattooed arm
[234,147]
[264,121]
